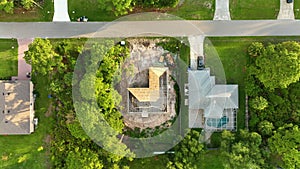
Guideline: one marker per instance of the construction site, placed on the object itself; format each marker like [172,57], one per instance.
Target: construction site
[147,86]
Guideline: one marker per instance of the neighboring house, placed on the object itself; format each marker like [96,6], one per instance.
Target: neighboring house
[153,98]
[211,106]
[16,107]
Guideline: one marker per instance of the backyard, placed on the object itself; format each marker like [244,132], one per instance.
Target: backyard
[30,151]
[9,58]
[252,9]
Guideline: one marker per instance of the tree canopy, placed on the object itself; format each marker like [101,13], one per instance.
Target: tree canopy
[286,144]
[187,152]
[241,150]
[9,5]
[119,7]
[259,103]
[41,56]
[278,65]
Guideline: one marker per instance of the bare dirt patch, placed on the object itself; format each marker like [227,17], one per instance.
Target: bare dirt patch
[47,141]
[49,111]
[135,73]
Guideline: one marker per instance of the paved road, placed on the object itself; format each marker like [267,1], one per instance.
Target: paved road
[153,28]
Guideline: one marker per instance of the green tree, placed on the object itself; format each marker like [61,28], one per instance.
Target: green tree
[41,56]
[241,150]
[27,4]
[157,3]
[119,7]
[256,49]
[87,86]
[258,103]
[279,65]
[76,130]
[187,152]
[285,143]
[7,6]
[265,128]
[251,87]
[83,158]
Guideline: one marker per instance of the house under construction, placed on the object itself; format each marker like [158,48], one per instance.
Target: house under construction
[151,99]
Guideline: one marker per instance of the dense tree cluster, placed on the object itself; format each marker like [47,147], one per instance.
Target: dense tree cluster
[242,150]
[276,65]
[273,83]
[285,144]
[42,57]
[273,87]
[70,145]
[187,152]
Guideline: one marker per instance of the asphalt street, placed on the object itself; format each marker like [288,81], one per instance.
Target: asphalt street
[149,28]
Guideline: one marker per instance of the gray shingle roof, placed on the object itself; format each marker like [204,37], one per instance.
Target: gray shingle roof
[16,107]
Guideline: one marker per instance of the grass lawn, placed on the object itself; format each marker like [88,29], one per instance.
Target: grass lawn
[233,55]
[8,58]
[297,9]
[254,9]
[34,15]
[195,9]
[156,162]
[211,160]
[30,151]
[90,9]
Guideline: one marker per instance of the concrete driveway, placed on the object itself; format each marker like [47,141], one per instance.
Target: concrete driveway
[23,67]
[222,10]
[61,11]
[286,10]
[196,45]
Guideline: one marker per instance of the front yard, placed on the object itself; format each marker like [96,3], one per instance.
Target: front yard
[254,9]
[195,10]
[90,9]
[8,58]
[297,9]
[36,14]
[190,9]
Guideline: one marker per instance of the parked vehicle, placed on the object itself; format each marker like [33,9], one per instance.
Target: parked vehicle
[289,1]
[200,63]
